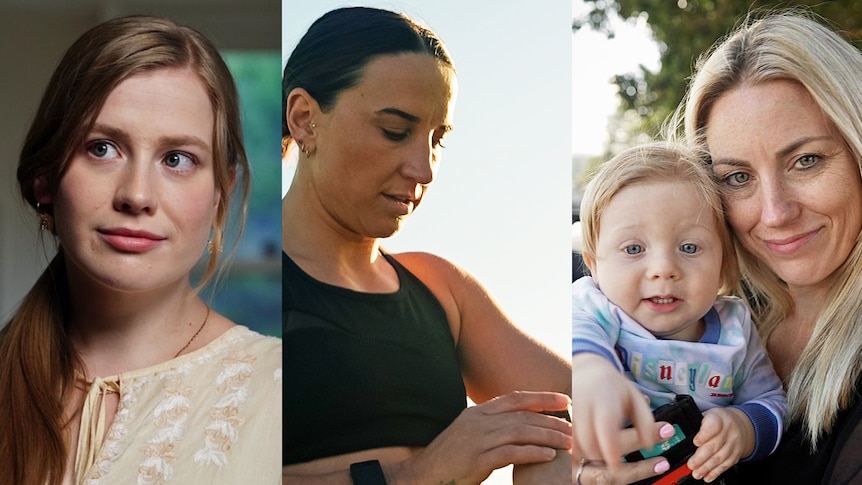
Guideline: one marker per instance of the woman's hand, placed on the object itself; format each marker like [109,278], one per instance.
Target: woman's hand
[603,400]
[726,435]
[597,472]
[506,430]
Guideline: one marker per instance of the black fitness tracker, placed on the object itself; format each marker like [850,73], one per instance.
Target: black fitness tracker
[367,473]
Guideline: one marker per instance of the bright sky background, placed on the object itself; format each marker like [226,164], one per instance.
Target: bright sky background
[500,206]
[595,60]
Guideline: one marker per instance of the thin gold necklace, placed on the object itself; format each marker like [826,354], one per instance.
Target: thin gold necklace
[81,379]
[203,324]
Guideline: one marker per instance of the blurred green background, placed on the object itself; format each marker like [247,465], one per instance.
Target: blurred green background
[250,291]
[683,29]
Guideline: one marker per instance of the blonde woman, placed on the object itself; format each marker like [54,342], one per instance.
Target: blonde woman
[113,370]
[778,107]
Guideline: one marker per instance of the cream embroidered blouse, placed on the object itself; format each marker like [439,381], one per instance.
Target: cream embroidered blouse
[212,416]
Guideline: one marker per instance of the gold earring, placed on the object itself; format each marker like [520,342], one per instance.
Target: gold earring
[211,247]
[303,148]
[45,221]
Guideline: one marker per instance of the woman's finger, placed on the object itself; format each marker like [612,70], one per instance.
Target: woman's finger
[627,441]
[630,438]
[517,455]
[526,401]
[594,474]
[531,433]
[514,424]
[622,472]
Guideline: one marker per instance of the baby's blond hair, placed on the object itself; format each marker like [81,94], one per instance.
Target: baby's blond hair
[657,162]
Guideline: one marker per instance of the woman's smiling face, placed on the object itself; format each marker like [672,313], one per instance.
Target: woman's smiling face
[792,188]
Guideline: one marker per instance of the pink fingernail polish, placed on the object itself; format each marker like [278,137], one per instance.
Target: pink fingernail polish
[661,467]
[666,431]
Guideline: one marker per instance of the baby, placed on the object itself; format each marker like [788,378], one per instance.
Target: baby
[656,307]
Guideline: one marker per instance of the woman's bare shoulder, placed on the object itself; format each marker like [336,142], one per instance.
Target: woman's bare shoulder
[426,265]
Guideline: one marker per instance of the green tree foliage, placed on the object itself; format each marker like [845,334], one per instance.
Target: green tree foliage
[683,30]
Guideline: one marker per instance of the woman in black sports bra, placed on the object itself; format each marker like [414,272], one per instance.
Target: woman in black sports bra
[382,350]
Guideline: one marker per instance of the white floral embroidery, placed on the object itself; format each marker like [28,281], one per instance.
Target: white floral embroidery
[211,456]
[223,431]
[169,416]
[157,468]
[234,399]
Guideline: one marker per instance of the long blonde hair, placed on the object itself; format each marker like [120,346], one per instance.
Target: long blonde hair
[793,46]
[37,361]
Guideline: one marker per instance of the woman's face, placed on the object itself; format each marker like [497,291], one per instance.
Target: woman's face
[792,188]
[378,148]
[134,208]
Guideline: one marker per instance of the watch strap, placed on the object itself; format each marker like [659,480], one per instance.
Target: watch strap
[367,473]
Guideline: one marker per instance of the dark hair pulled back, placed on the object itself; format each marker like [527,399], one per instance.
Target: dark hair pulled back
[331,56]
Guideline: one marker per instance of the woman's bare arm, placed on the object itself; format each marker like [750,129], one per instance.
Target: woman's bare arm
[497,356]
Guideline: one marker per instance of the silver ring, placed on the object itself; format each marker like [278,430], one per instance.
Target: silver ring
[581,464]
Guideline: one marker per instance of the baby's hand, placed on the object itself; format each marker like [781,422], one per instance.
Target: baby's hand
[602,401]
[726,435]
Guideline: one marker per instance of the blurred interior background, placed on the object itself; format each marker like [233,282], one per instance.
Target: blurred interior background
[34,34]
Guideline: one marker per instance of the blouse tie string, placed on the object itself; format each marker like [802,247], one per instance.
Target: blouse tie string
[90,436]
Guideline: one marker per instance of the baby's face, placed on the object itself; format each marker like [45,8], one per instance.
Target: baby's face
[659,256]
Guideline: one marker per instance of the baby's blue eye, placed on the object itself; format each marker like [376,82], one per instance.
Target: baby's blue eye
[689,248]
[633,249]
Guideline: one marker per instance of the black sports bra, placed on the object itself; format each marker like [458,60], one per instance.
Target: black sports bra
[364,370]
